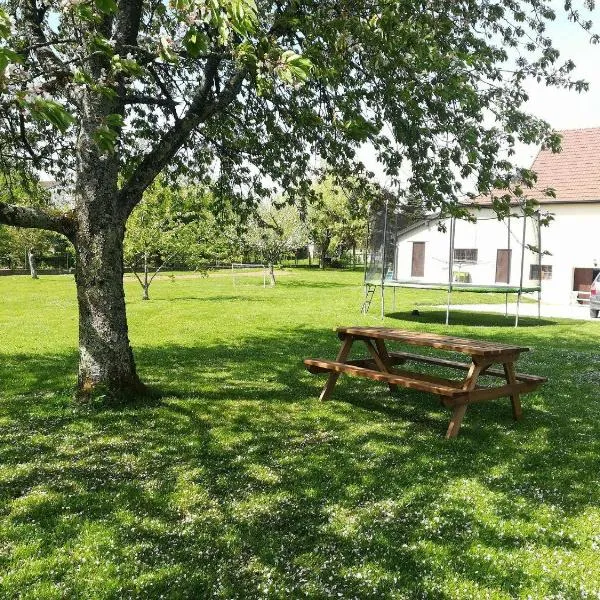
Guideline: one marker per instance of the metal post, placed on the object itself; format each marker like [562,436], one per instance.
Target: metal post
[509,266]
[365,255]
[539,225]
[450,267]
[522,266]
[383,259]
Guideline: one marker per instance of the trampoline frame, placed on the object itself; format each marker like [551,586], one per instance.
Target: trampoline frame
[451,285]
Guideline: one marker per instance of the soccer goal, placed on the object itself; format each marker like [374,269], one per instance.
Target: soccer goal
[249,274]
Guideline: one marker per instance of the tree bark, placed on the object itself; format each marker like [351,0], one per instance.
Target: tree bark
[31,260]
[272,273]
[106,363]
[324,247]
[146,284]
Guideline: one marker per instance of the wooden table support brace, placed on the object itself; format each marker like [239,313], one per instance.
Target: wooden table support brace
[456,394]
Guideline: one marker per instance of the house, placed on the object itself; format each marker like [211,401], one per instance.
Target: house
[489,252]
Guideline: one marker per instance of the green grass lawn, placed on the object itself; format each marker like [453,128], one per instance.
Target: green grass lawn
[238,483]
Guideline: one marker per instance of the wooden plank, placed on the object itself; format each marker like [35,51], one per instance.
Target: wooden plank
[509,370]
[491,393]
[383,352]
[471,379]
[407,379]
[402,357]
[432,340]
[459,411]
[333,376]
[455,421]
[380,360]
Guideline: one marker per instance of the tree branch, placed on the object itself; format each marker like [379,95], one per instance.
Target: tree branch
[198,112]
[34,17]
[37,218]
[127,23]
[141,99]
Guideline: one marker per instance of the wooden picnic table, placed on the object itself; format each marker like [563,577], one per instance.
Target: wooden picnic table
[456,394]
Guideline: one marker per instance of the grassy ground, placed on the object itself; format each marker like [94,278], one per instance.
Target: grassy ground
[237,483]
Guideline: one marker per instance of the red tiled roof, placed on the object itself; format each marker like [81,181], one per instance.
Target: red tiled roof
[573,173]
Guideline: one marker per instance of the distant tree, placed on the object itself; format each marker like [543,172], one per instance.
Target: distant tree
[24,246]
[171,222]
[274,232]
[337,220]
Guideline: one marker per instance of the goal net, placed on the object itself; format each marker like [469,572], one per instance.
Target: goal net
[249,274]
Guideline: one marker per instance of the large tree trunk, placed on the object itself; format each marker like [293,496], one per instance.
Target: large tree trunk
[106,364]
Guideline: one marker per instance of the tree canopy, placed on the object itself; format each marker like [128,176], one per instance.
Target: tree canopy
[274,232]
[436,86]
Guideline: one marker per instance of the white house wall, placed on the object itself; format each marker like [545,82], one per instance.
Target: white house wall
[570,238]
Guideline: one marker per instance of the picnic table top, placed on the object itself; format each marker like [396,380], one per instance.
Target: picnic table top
[433,340]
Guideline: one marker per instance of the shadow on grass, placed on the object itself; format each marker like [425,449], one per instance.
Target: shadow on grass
[216,299]
[291,283]
[475,319]
[240,484]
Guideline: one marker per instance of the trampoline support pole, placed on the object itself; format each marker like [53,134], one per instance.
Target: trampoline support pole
[522,267]
[450,269]
[384,259]
[539,232]
[394,299]
[506,305]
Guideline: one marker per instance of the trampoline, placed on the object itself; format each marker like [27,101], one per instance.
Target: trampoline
[386,264]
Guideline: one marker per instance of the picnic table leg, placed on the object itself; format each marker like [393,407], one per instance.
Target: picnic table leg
[455,420]
[509,372]
[333,377]
[459,410]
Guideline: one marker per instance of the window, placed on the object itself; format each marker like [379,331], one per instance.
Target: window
[534,272]
[465,255]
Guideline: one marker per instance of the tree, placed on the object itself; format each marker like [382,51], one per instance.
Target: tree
[25,244]
[275,232]
[110,93]
[171,222]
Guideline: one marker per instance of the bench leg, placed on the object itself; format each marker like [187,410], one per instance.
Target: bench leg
[333,377]
[469,384]
[457,416]
[515,399]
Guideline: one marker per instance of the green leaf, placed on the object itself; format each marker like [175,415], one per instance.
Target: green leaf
[106,6]
[293,68]
[53,112]
[195,42]
[8,56]
[105,138]
[5,24]
[114,120]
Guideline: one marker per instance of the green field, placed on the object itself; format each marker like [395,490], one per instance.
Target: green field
[235,482]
